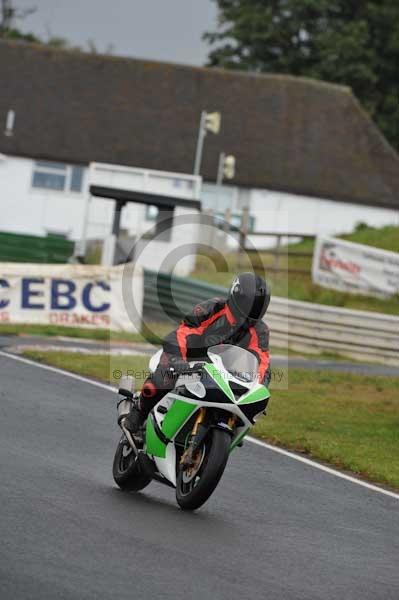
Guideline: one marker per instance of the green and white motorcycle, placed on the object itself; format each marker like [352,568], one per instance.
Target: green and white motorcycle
[188,436]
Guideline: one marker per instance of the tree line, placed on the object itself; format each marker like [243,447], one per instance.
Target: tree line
[350,42]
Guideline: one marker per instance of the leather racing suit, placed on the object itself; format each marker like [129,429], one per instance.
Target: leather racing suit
[210,323]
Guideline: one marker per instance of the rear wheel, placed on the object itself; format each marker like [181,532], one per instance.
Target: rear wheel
[126,470]
[194,485]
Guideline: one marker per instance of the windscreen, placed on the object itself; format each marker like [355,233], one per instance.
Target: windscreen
[238,362]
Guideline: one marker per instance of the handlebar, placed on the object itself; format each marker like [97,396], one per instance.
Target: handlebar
[197,368]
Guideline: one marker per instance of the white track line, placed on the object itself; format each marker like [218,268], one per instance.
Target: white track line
[321,467]
[291,455]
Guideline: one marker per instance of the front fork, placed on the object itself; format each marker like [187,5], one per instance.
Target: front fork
[198,421]
[198,434]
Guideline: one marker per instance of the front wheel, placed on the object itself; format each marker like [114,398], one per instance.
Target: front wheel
[126,470]
[195,485]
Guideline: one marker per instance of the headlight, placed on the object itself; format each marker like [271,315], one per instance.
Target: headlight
[196,388]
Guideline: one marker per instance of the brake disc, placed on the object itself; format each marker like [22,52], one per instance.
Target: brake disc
[190,472]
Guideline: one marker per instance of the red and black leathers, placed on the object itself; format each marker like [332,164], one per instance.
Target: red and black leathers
[210,323]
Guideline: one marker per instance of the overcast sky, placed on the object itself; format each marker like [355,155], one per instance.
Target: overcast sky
[168,30]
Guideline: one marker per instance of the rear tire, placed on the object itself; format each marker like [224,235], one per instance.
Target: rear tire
[216,448]
[126,470]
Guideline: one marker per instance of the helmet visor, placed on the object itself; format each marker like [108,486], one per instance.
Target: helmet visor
[258,308]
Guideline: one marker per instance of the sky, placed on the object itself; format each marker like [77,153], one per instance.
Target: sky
[167,30]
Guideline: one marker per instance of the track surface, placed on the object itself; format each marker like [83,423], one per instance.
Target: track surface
[275,528]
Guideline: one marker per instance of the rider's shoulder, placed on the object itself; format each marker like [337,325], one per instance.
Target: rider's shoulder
[204,310]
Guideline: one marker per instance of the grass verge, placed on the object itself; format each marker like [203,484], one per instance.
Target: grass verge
[349,421]
[152,332]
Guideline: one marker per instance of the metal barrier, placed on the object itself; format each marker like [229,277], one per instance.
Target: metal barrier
[317,328]
[300,326]
[174,296]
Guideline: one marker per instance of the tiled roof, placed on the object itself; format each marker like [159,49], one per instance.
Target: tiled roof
[287,133]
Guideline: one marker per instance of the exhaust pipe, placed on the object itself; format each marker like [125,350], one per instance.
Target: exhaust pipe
[124,406]
[126,390]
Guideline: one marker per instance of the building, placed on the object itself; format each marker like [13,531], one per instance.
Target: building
[308,157]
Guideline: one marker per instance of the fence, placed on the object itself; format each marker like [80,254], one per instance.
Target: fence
[245,232]
[33,249]
[300,326]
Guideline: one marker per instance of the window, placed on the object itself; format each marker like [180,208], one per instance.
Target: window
[57,176]
[76,179]
[49,176]
[151,213]
[183,183]
[162,221]
[218,198]
[235,221]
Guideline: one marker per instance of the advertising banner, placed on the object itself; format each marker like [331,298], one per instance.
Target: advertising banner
[71,295]
[355,268]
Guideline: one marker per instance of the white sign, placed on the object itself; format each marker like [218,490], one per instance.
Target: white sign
[70,295]
[355,268]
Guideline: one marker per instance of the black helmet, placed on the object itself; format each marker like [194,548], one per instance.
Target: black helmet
[249,297]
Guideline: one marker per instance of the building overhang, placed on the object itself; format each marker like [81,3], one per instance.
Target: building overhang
[161,201]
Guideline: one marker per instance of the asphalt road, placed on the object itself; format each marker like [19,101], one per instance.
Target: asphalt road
[275,528]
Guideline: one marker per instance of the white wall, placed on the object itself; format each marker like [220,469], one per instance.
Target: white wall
[277,211]
[30,210]
[25,209]
[17,213]
[35,211]
[178,254]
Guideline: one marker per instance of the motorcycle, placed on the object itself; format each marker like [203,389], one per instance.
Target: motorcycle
[189,435]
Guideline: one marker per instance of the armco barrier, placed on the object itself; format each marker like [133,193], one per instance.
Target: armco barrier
[174,295]
[308,327]
[301,326]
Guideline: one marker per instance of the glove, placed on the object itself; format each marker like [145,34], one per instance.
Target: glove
[178,365]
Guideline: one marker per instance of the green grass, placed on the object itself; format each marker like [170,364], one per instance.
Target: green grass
[349,421]
[96,366]
[300,286]
[386,238]
[58,330]
[152,332]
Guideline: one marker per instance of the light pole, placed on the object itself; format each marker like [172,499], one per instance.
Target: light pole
[208,122]
[226,169]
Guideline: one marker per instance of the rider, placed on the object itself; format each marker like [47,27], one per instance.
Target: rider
[237,321]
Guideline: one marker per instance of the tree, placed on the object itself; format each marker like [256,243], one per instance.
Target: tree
[351,42]
[10,14]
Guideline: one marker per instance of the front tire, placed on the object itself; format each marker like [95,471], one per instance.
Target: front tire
[126,470]
[216,453]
